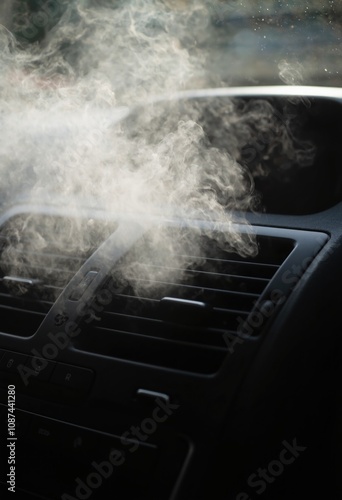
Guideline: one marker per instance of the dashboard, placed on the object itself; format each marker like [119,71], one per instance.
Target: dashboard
[159,357]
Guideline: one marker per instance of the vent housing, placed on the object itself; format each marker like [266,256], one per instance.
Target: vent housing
[39,254]
[178,318]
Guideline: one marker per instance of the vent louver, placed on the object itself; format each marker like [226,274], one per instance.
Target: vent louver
[180,323]
[39,254]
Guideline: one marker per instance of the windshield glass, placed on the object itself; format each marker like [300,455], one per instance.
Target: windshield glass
[71,69]
[202,43]
[297,42]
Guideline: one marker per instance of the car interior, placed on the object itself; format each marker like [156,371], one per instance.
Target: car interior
[191,351]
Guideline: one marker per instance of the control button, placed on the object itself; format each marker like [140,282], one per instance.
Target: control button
[78,292]
[77,440]
[151,396]
[41,367]
[11,360]
[72,376]
[45,432]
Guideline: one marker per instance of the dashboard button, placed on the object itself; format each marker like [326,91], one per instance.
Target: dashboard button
[44,432]
[72,377]
[11,360]
[42,368]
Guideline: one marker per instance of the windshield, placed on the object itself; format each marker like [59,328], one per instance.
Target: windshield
[297,42]
[71,69]
[207,43]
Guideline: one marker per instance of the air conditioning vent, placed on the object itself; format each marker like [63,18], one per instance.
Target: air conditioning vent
[39,254]
[178,317]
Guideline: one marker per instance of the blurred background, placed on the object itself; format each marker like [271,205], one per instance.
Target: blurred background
[244,42]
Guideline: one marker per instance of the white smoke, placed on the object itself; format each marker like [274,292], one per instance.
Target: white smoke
[61,97]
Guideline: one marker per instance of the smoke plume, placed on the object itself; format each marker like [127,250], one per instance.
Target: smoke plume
[69,75]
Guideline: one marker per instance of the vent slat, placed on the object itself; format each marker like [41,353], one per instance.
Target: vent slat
[267,259]
[242,270]
[31,271]
[154,312]
[157,327]
[165,340]
[213,282]
[160,352]
[25,303]
[223,299]
[47,255]
[19,311]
